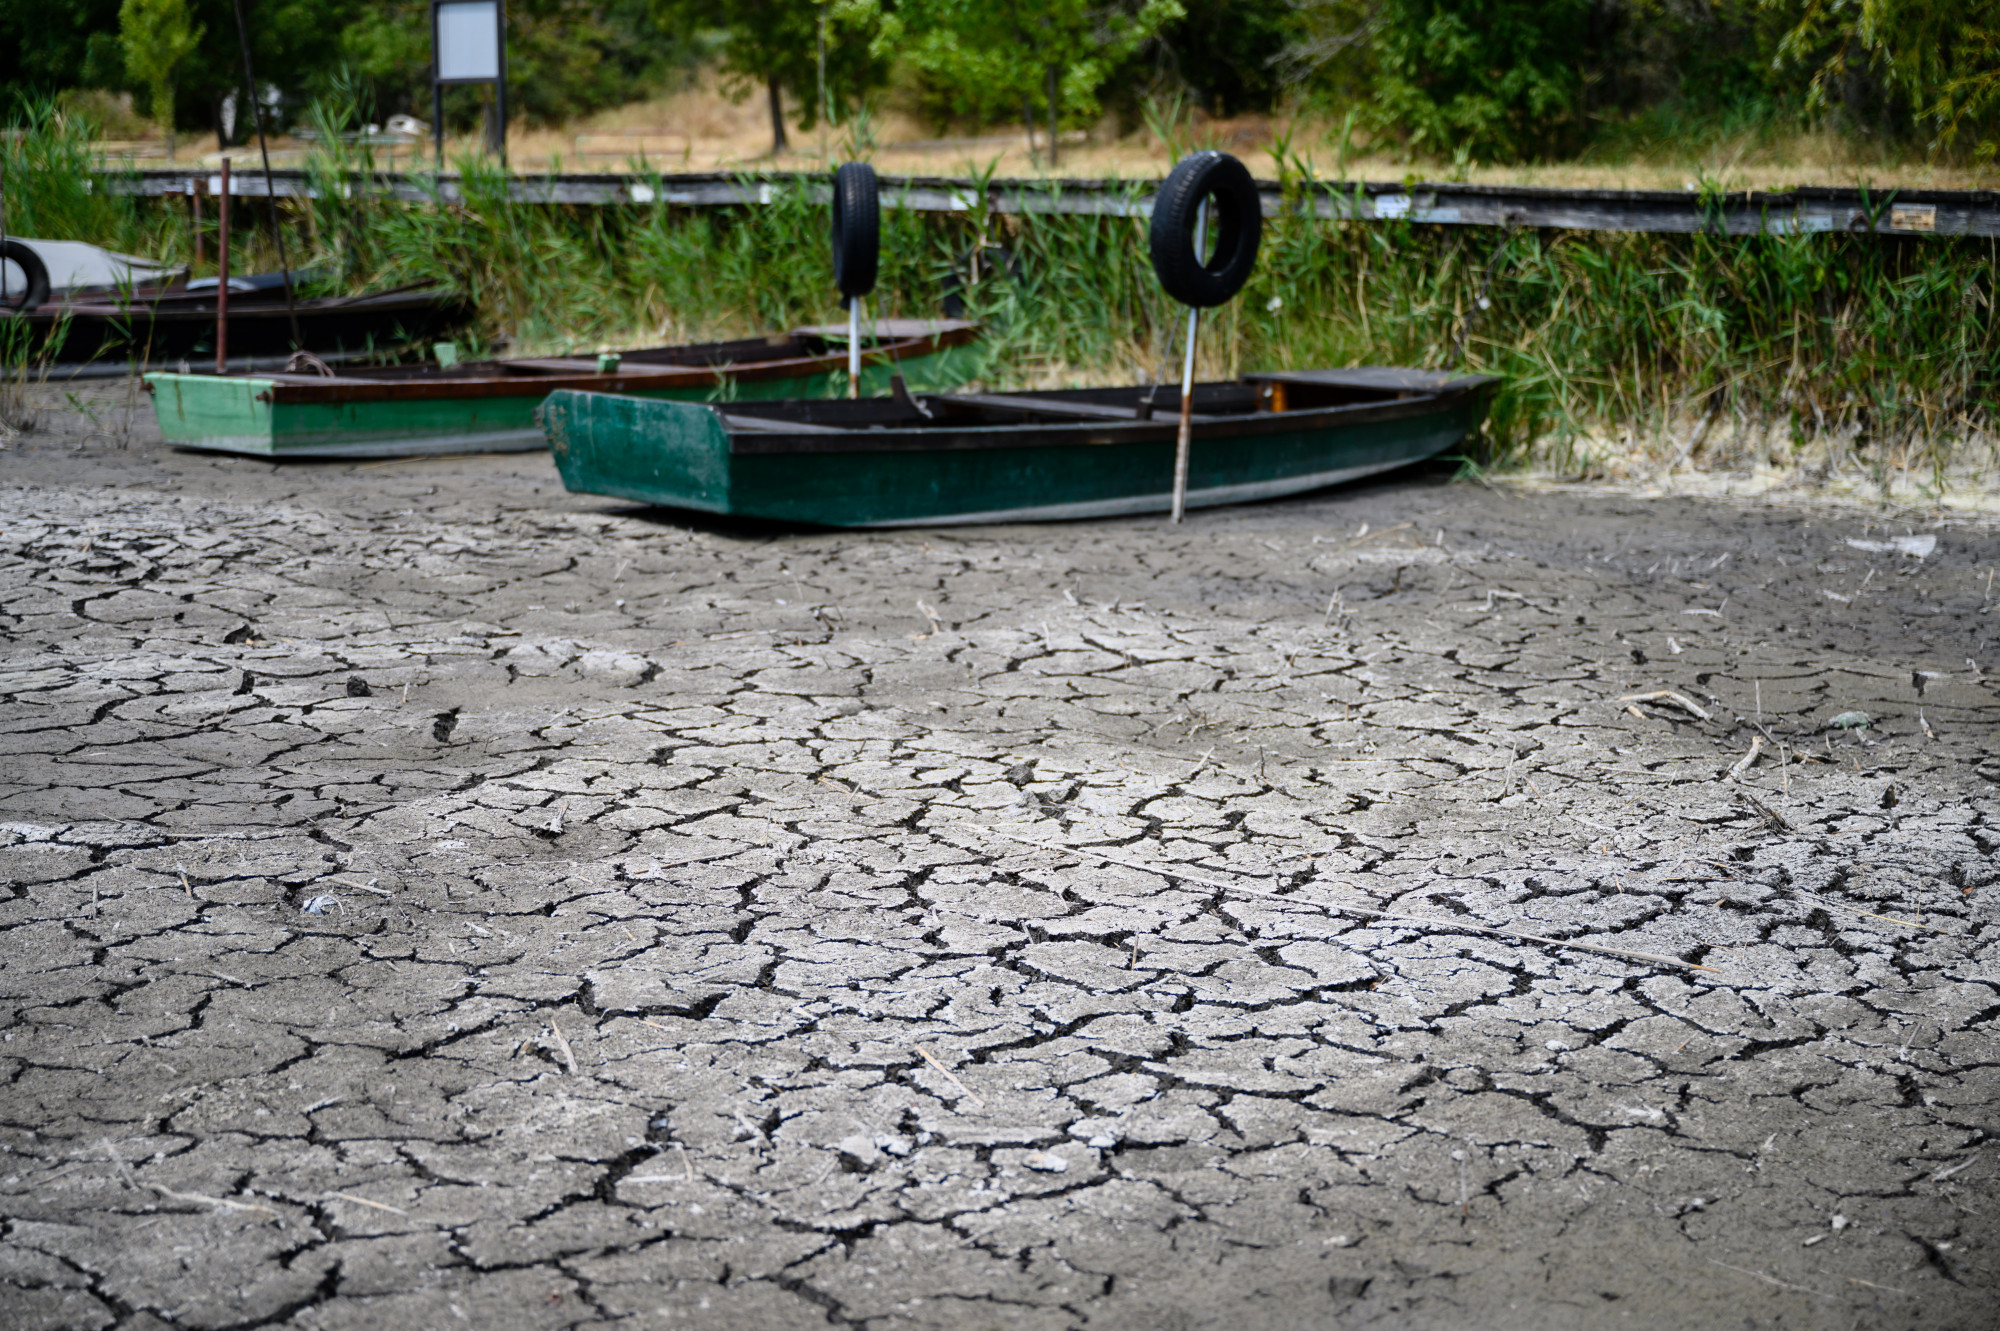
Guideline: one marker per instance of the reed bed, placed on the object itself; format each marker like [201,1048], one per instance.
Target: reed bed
[1616,351]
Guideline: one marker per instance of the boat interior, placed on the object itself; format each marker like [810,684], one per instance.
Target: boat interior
[1304,390]
[700,355]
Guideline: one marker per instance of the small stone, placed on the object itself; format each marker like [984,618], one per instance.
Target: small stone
[1046,1161]
[1850,721]
[1102,1142]
[1555,1046]
[1839,1223]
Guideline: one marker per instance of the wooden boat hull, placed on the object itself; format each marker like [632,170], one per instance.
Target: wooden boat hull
[154,328]
[348,416]
[688,456]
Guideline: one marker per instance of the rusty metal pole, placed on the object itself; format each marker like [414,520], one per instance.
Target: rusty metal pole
[222,273]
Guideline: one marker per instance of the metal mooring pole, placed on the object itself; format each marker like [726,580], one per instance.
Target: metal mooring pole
[1182,446]
[854,346]
[222,273]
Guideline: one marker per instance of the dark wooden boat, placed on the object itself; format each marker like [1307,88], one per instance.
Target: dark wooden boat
[489,406]
[169,323]
[990,457]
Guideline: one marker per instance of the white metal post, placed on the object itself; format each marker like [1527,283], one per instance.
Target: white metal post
[854,346]
[1187,379]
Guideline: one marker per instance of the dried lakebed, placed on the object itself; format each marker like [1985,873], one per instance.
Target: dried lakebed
[437,899]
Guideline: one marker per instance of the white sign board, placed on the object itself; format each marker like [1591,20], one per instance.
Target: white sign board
[468,41]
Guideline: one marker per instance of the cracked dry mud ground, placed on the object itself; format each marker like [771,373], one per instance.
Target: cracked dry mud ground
[435,899]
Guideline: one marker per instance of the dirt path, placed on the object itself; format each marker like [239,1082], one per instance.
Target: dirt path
[438,899]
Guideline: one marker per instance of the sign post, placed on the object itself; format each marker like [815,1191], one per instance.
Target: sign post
[469,45]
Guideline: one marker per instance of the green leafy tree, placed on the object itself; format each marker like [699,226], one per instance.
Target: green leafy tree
[1484,79]
[158,35]
[990,58]
[820,51]
[1939,60]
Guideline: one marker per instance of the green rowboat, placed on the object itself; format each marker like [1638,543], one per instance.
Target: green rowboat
[489,406]
[986,457]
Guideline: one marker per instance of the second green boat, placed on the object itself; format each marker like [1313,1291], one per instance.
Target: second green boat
[489,406]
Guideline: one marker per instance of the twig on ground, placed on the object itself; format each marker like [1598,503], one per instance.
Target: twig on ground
[944,1071]
[1748,760]
[207,1200]
[1769,1280]
[562,1043]
[1681,701]
[363,1201]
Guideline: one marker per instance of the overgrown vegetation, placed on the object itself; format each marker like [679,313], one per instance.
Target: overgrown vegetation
[1722,350]
[1485,81]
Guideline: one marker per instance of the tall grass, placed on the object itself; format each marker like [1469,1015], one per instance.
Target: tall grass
[1706,348]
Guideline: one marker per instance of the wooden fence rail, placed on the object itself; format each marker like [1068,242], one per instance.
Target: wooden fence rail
[1907,212]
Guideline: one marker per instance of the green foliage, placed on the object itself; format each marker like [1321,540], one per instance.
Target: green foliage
[1592,333]
[1939,59]
[157,35]
[823,52]
[54,188]
[1225,52]
[46,48]
[1489,79]
[985,61]
[565,58]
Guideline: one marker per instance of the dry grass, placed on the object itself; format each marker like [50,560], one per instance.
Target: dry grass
[702,129]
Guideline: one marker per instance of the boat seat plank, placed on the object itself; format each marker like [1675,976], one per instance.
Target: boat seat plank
[765,423]
[1035,406]
[1379,378]
[578,365]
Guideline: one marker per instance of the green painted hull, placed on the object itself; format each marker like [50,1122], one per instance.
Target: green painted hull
[236,413]
[684,456]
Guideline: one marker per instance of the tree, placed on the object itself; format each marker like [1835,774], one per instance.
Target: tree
[988,58]
[158,35]
[1490,79]
[1939,58]
[775,46]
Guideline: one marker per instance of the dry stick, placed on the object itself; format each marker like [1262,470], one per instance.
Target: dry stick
[363,1201]
[1428,921]
[963,1090]
[210,1201]
[562,1042]
[1186,441]
[1769,1280]
[1748,760]
[1667,695]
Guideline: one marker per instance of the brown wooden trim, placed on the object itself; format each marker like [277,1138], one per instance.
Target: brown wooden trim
[892,439]
[627,378]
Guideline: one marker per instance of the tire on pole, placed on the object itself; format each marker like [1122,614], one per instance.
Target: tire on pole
[37,291]
[857,230]
[1237,226]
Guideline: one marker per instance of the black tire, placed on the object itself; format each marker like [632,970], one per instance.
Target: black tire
[1237,223]
[857,230]
[37,273]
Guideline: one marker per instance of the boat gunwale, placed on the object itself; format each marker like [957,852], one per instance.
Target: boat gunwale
[299,389]
[1050,434]
[248,306]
